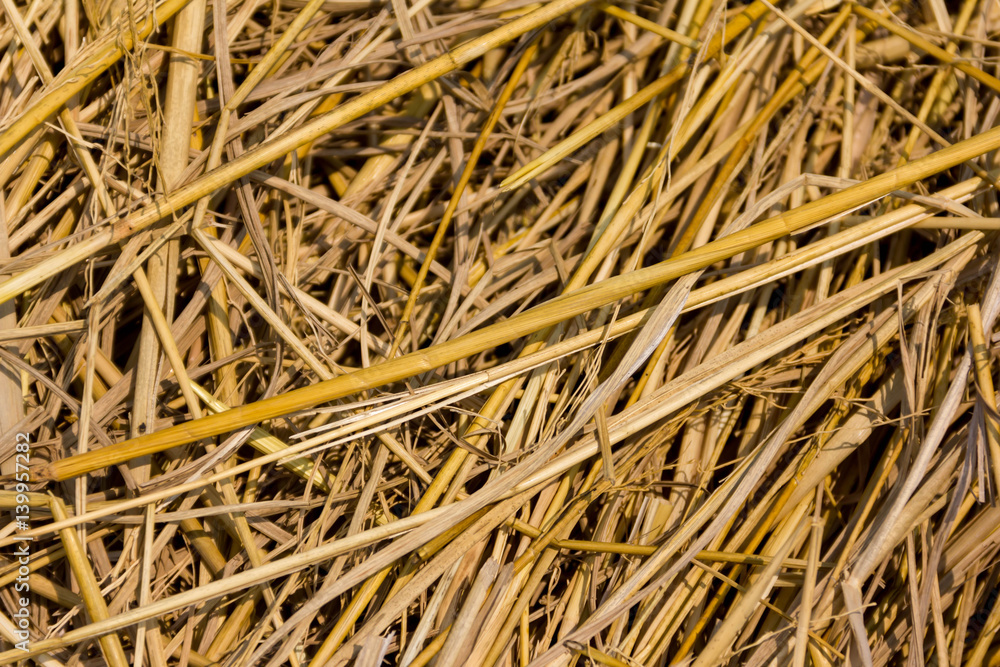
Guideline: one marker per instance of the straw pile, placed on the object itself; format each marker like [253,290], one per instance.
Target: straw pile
[475,333]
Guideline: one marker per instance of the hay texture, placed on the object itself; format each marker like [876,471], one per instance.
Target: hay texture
[494,332]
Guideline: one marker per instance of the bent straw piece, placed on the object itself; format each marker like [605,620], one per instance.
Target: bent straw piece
[540,317]
[267,152]
[94,60]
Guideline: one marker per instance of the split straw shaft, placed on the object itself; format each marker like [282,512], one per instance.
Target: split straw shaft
[542,316]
